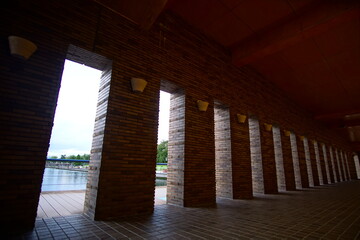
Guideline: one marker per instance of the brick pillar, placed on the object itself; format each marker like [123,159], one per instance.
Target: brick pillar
[352,166]
[193,175]
[256,158]
[28,95]
[322,163]
[279,160]
[268,160]
[241,159]
[223,164]
[199,173]
[330,163]
[288,162]
[126,179]
[333,164]
[176,150]
[313,160]
[347,165]
[343,167]
[326,161]
[308,163]
[97,144]
[318,163]
[302,162]
[341,179]
[295,158]
[357,165]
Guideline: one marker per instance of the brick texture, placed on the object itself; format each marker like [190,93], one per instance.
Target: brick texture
[256,157]
[288,162]
[333,164]
[302,162]
[338,164]
[314,166]
[296,162]
[308,163]
[326,162]
[268,160]
[279,160]
[124,152]
[223,165]
[241,159]
[322,163]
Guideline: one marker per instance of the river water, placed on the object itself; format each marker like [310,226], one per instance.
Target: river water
[67,180]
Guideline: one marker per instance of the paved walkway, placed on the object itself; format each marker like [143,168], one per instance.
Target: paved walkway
[326,212]
[66,203]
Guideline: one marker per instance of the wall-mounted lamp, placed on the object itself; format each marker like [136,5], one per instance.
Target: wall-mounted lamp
[202,105]
[241,118]
[268,127]
[287,133]
[21,47]
[302,138]
[138,84]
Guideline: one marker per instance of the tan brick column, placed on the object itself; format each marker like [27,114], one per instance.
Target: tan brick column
[330,162]
[241,159]
[302,162]
[287,158]
[268,160]
[341,179]
[192,154]
[322,163]
[313,163]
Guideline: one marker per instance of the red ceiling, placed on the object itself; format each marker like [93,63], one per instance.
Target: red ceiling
[308,48]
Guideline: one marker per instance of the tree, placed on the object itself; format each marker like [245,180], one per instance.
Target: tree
[162,152]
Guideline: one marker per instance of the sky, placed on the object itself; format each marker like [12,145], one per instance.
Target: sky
[76,108]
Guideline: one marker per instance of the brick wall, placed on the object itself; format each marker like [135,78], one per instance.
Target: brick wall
[171,50]
[256,157]
[314,166]
[333,164]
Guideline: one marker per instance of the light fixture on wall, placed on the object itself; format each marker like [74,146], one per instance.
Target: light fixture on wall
[138,84]
[202,105]
[302,138]
[268,127]
[241,118]
[286,133]
[21,47]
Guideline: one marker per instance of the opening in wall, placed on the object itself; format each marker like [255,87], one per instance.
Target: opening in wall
[71,152]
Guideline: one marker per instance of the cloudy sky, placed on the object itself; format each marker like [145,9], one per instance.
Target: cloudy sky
[76,108]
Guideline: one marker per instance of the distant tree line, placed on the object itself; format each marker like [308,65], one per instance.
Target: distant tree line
[75,157]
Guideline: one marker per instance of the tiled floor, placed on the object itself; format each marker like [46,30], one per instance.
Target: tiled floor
[326,212]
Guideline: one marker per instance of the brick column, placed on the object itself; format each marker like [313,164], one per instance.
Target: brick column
[313,160]
[241,159]
[341,179]
[126,178]
[322,163]
[333,164]
[256,158]
[343,167]
[268,160]
[308,163]
[279,160]
[347,165]
[326,161]
[223,162]
[192,177]
[352,166]
[330,162]
[288,162]
[302,162]
[318,163]
[357,166]
[295,158]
